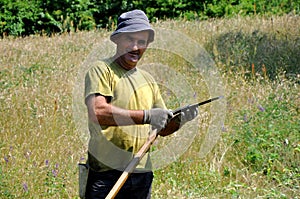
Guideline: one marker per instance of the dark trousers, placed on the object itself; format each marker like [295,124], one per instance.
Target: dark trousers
[137,186]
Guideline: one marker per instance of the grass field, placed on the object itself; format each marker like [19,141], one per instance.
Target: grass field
[256,156]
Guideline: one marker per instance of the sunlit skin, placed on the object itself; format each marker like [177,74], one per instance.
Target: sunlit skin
[130,48]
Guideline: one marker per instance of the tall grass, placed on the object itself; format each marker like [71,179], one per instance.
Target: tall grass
[258,155]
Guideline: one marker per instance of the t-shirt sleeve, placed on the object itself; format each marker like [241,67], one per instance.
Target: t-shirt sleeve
[98,81]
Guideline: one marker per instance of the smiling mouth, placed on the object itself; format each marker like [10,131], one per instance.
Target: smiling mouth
[134,54]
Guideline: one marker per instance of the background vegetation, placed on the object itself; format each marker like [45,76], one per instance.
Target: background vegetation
[258,155]
[26,17]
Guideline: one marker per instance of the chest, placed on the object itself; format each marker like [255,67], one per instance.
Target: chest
[132,91]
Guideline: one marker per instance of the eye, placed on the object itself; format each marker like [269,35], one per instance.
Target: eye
[142,42]
[129,39]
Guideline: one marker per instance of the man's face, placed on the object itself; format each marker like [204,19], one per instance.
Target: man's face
[131,47]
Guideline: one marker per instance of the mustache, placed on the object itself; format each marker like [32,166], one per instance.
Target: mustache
[134,52]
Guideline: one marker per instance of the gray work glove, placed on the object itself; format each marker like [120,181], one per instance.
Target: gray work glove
[157,117]
[188,115]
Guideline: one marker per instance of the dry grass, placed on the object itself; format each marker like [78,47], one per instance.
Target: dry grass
[40,144]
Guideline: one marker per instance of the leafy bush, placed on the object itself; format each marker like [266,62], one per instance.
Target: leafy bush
[20,18]
[236,7]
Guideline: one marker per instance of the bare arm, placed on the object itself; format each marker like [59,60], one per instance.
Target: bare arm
[102,112]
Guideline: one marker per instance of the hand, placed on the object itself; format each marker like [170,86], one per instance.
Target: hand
[179,119]
[188,115]
[157,117]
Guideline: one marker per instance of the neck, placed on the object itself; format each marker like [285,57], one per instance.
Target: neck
[119,61]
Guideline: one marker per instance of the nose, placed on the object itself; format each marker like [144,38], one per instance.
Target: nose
[134,45]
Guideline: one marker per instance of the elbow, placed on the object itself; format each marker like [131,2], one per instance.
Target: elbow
[98,108]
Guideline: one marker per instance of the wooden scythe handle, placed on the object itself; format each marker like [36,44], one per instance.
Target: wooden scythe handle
[131,166]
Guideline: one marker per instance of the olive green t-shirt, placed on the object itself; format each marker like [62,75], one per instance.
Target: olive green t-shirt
[112,147]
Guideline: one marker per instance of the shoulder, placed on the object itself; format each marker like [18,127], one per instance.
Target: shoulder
[99,68]
[100,65]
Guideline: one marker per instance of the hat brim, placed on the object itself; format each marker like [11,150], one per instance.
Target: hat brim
[136,27]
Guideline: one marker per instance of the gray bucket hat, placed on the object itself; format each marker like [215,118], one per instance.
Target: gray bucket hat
[133,21]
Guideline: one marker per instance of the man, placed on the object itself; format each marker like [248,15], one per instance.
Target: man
[124,103]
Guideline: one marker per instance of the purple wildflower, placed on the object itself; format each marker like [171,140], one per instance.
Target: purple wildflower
[25,187]
[6,159]
[246,118]
[82,159]
[47,163]
[223,128]
[168,93]
[261,108]
[54,172]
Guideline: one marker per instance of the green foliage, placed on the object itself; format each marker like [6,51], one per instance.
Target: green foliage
[268,138]
[4,192]
[235,7]
[21,18]
[15,14]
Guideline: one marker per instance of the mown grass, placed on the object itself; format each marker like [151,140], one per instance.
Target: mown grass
[258,155]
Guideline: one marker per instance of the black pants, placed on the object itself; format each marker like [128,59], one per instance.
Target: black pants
[137,186]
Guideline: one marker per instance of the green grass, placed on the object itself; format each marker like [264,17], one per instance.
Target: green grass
[257,156]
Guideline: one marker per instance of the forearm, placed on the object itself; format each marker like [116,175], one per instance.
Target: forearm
[104,113]
[114,116]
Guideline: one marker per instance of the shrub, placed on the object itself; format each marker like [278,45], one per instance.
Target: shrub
[21,18]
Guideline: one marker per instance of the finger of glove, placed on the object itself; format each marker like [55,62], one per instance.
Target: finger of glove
[159,124]
[159,117]
[195,112]
[189,114]
[161,114]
